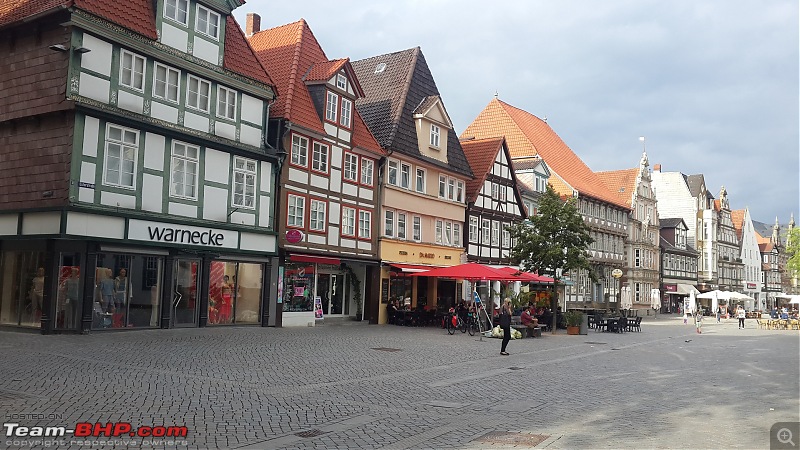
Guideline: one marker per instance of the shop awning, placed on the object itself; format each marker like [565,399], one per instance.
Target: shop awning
[526,277]
[314,259]
[412,268]
[685,289]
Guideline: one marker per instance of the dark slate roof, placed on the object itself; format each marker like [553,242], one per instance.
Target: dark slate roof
[667,246]
[390,98]
[694,182]
[670,222]
[525,163]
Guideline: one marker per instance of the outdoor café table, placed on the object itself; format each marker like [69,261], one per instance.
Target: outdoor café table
[611,324]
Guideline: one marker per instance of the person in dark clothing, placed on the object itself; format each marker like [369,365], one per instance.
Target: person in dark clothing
[505,324]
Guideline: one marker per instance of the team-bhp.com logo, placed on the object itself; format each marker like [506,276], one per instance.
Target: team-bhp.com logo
[88,429]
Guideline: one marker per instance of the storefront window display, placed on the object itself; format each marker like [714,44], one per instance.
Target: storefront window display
[21,288]
[234,294]
[298,287]
[127,291]
[400,291]
[68,298]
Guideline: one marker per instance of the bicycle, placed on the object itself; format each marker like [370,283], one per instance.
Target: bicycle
[455,322]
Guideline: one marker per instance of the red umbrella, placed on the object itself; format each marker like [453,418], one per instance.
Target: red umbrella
[526,276]
[469,271]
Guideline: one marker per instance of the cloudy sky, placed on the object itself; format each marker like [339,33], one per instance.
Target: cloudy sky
[711,84]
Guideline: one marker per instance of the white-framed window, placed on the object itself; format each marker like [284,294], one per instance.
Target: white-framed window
[122,145]
[319,158]
[495,191]
[131,70]
[367,169]
[226,103]
[435,135]
[185,161]
[341,82]
[296,211]
[388,224]
[207,22]
[177,10]
[637,258]
[486,230]
[405,176]
[245,173]
[506,239]
[348,221]
[347,113]
[317,214]
[495,232]
[299,151]
[442,186]
[457,234]
[473,229]
[166,82]
[197,93]
[364,224]
[331,104]
[419,184]
[401,225]
[351,167]
[439,231]
[448,233]
[416,228]
[451,189]
[503,192]
[460,191]
[392,169]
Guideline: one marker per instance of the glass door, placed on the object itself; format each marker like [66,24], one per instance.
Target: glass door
[184,292]
[331,288]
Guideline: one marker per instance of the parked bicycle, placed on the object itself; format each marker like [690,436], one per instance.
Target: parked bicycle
[455,322]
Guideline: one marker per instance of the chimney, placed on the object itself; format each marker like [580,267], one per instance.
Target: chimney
[657,168]
[253,24]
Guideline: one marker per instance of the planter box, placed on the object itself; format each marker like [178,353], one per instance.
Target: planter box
[574,330]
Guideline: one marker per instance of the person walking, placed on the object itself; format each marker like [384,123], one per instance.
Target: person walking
[505,324]
[719,313]
[740,314]
[698,321]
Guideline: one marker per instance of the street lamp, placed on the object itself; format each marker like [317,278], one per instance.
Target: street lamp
[617,274]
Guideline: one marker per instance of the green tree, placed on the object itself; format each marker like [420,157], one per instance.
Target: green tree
[793,251]
[556,238]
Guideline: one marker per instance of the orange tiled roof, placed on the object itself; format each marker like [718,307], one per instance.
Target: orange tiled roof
[139,17]
[290,52]
[325,70]
[717,205]
[481,154]
[621,182]
[737,216]
[528,135]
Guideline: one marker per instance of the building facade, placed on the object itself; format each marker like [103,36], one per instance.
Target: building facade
[770,266]
[678,264]
[730,268]
[424,178]
[751,259]
[532,179]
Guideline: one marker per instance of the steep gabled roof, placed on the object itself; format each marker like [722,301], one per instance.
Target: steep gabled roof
[670,222]
[395,85]
[737,216]
[481,154]
[528,135]
[694,182]
[293,56]
[621,182]
[138,16]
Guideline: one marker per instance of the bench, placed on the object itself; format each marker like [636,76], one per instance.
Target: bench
[524,330]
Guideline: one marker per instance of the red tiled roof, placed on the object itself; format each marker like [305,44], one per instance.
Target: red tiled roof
[717,205]
[239,56]
[290,52]
[15,10]
[325,70]
[737,216]
[481,154]
[621,182]
[528,135]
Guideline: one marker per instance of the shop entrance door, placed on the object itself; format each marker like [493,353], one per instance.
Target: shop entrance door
[331,288]
[185,282]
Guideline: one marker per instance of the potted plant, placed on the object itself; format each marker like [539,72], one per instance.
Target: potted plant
[573,320]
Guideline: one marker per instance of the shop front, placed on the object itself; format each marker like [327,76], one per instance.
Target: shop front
[674,296]
[112,273]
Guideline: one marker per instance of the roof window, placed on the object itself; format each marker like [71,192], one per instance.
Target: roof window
[380,68]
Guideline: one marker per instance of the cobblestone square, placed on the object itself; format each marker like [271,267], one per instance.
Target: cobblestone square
[352,385]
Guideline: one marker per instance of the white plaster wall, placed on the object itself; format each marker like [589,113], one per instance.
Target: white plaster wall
[315,239]
[349,243]
[252,109]
[174,37]
[366,194]
[350,189]
[298,176]
[8,225]
[181,209]
[225,130]
[86,195]
[266,177]
[81,224]
[164,112]
[250,135]
[41,223]
[99,58]
[243,218]
[264,206]
[154,151]
[330,128]
[217,166]
[94,87]
[206,50]
[88,172]
[215,203]
[91,132]
[196,121]
[131,102]
[334,213]
[152,196]
[117,200]
[364,245]
[319,182]
[258,242]
[335,180]
[334,235]
[344,134]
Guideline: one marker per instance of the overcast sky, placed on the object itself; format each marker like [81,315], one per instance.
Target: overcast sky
[711,84]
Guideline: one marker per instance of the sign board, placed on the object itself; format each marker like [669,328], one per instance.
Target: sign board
[318,307]
[385,290]
[170,233]
[294,236]
[616,273]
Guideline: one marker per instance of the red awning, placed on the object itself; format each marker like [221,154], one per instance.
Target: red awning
[469,271]
[314,259]
[412,268]
[526,276]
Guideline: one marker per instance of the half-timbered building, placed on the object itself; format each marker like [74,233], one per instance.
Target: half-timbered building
[730,268]
[532,179]
[329,181]
[141,192]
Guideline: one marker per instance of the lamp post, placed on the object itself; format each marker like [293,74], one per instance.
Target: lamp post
[617,274]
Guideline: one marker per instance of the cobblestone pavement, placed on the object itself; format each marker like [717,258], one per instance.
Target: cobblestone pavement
[365,386]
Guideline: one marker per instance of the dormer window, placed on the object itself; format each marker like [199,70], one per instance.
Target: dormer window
[177,10]
[347,111]
[435,131]
[341,82]
[207,22]
[330,107]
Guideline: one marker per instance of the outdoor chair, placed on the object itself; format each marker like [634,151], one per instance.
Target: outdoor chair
[622,325]
[635,324]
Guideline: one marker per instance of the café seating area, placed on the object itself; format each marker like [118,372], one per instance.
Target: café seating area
[779,324]
[615,324]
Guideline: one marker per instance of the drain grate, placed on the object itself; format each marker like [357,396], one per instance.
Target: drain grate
[595,343]
[515,368]
[310,433]
[507,438]
[387,349]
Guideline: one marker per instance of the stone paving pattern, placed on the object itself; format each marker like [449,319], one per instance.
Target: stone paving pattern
[327,387]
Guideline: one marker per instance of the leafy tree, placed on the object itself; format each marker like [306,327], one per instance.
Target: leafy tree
[556,238]
[793,251]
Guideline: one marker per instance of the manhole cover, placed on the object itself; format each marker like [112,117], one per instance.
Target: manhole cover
[507,438]
[387,349]
[515,368]
[310,433]
[596,343]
